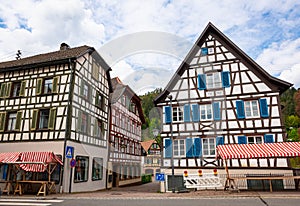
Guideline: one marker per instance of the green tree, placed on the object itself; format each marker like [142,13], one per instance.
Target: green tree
[288,102]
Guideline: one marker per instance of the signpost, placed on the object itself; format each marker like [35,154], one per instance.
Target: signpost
[160,177]
[72,163]
[69,152]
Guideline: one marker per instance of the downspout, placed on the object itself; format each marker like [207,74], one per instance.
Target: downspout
[68,122]
[109,115]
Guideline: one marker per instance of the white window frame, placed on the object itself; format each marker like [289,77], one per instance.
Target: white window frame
[204,112]
[179,148]
[12,120]
[213,80]
[255,140]
[251,108]
[210,151]
[177,114]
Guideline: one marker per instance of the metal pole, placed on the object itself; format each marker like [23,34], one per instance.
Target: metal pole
[172,157]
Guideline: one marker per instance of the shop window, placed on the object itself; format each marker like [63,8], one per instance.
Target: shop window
[97,172]
[81,169]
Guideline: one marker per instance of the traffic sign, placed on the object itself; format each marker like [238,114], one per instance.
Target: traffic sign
[160,177]
[69,152]
[72,162]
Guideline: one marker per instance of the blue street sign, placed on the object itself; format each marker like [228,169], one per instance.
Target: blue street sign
[160,177]
[72,162]
[69,152]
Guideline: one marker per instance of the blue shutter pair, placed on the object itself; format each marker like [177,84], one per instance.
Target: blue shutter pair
[225,80]
[193,147]
[168,114]
[263,106]
[242,140]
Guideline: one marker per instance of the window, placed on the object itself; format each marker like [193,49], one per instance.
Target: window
[251,108]
[81,169]
[48,86]
[12,119]
[177,114]
[255,140]
[97,172]
[179,148]
[95,70]
[84,122]
[213,80]
[99,129]
[44,118]
[100,100]
[16,89]
[206,112]
[209,148]
[85,91]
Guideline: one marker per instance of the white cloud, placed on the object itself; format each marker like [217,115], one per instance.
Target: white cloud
[282,59]
[292,75]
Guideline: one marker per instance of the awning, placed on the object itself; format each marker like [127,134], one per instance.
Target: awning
[9,157]
[250,151]
[30,161]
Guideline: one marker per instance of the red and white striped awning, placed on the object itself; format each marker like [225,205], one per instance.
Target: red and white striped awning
[39,161]
[9,157]
[250,151]
[30,161]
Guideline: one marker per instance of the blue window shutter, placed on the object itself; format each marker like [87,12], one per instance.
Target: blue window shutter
[187,113]
[168,114]
[219,140]
[217,111]
[240,109]
[242,140]
[189,147]
[201,81]
[195,112]
[268,138]
[204,51]
[197,147]
[263,108]
[168,148]
[225,79]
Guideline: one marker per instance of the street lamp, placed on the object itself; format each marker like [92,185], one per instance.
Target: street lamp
[172,140]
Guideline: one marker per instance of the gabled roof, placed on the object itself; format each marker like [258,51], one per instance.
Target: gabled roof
[147,144]
[119,89]
[70,53]
[57,57]
[210,29]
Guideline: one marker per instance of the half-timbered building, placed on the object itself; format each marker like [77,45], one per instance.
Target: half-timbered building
[59,100]
[151,161]
[219,95]
[127,117]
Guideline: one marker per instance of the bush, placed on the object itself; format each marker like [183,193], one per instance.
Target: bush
[146,178]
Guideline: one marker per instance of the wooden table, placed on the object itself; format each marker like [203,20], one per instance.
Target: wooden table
[230,182]
[43,188]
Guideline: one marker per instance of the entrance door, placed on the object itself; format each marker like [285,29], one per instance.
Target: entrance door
[115,179]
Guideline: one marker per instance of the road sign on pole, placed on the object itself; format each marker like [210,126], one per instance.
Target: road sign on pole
[160,177]
[72,162]
[69,152]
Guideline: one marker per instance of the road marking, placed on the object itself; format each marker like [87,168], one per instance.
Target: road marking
[25,204]
[29,200]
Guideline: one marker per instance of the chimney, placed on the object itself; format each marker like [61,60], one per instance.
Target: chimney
[64,46]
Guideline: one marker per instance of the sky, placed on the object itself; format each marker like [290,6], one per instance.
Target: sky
[144,42]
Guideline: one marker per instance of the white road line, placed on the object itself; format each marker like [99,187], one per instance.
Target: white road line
[24,204]
[28,200]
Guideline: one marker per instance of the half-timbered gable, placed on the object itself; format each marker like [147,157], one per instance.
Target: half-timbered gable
[58,99]
[219,96]
[125,134]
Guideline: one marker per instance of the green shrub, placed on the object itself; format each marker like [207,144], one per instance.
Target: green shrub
[146,178]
